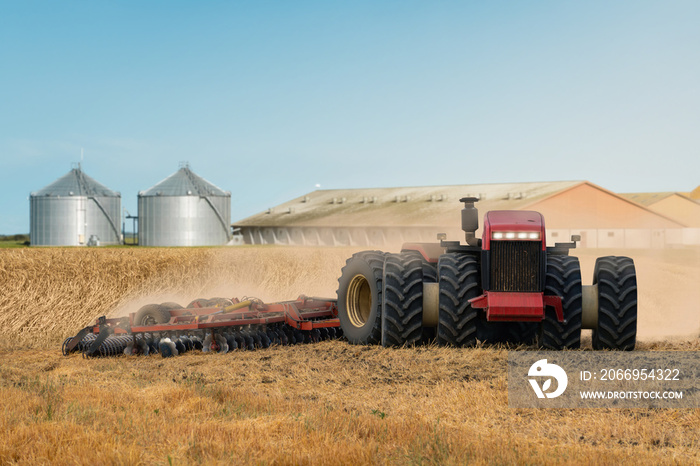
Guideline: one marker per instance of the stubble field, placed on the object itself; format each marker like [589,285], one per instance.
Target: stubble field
[324,403]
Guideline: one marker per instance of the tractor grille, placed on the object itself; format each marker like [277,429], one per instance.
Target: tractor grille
[515,266]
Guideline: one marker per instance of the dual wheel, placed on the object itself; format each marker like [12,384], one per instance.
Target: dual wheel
[382,298]
[380,301]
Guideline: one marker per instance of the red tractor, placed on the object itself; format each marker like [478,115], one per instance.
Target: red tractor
[505,287]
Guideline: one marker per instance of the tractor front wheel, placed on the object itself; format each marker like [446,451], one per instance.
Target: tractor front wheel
[563,280]
[616,278]
[459,282]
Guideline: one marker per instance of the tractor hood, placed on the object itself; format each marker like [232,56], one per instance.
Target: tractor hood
[514,225]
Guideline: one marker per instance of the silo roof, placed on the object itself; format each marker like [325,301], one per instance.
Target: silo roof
[76,183]
[184,182]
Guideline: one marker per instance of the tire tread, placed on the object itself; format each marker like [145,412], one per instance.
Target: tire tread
[459,276]
[617,303]
[402,312]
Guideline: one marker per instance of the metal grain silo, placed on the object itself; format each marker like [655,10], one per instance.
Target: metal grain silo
[184,210]
[73,210]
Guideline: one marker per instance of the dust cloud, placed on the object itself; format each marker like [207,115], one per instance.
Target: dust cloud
[270,274]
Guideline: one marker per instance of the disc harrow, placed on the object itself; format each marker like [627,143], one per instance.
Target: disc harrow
[216,325]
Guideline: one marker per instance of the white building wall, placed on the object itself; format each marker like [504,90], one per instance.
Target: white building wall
[589,238]
[557,236]
[638,239]
[690,236]
[611,238]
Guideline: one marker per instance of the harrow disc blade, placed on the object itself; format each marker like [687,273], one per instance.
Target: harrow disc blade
[167,348]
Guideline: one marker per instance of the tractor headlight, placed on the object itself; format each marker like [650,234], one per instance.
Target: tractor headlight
[516,235]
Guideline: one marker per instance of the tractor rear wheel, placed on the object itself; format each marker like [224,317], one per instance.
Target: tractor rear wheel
[360,298]
[563,280]
[459,282]
[616,278]
[429,276]
[151,314]
[402,312]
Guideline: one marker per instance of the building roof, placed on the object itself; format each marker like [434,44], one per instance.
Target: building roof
[695,193]
[590,205]
[678,206]
[647,199]
[184,182]
[407,206]
[438,206]
[76,183]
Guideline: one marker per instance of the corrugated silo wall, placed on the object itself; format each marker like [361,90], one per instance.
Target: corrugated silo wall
[70,221]
[183,221]
[99,225]
[57,221]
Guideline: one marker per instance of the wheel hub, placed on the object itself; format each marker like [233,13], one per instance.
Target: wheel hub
[359,301]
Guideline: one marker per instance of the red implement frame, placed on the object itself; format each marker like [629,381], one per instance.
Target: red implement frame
[303,313]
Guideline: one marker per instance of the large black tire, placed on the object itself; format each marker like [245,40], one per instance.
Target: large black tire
[563,280]
[151,314]
[459,276]
[429,268]
[360,298]
[429,276]
[616,278]
[402,312]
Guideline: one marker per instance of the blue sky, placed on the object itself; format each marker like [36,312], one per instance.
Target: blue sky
[267,99]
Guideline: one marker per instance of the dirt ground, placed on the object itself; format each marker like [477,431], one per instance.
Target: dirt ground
[327,403]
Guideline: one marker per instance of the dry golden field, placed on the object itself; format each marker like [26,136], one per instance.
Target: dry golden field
[323,404]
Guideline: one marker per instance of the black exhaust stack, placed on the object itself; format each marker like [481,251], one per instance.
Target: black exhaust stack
[470,220]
